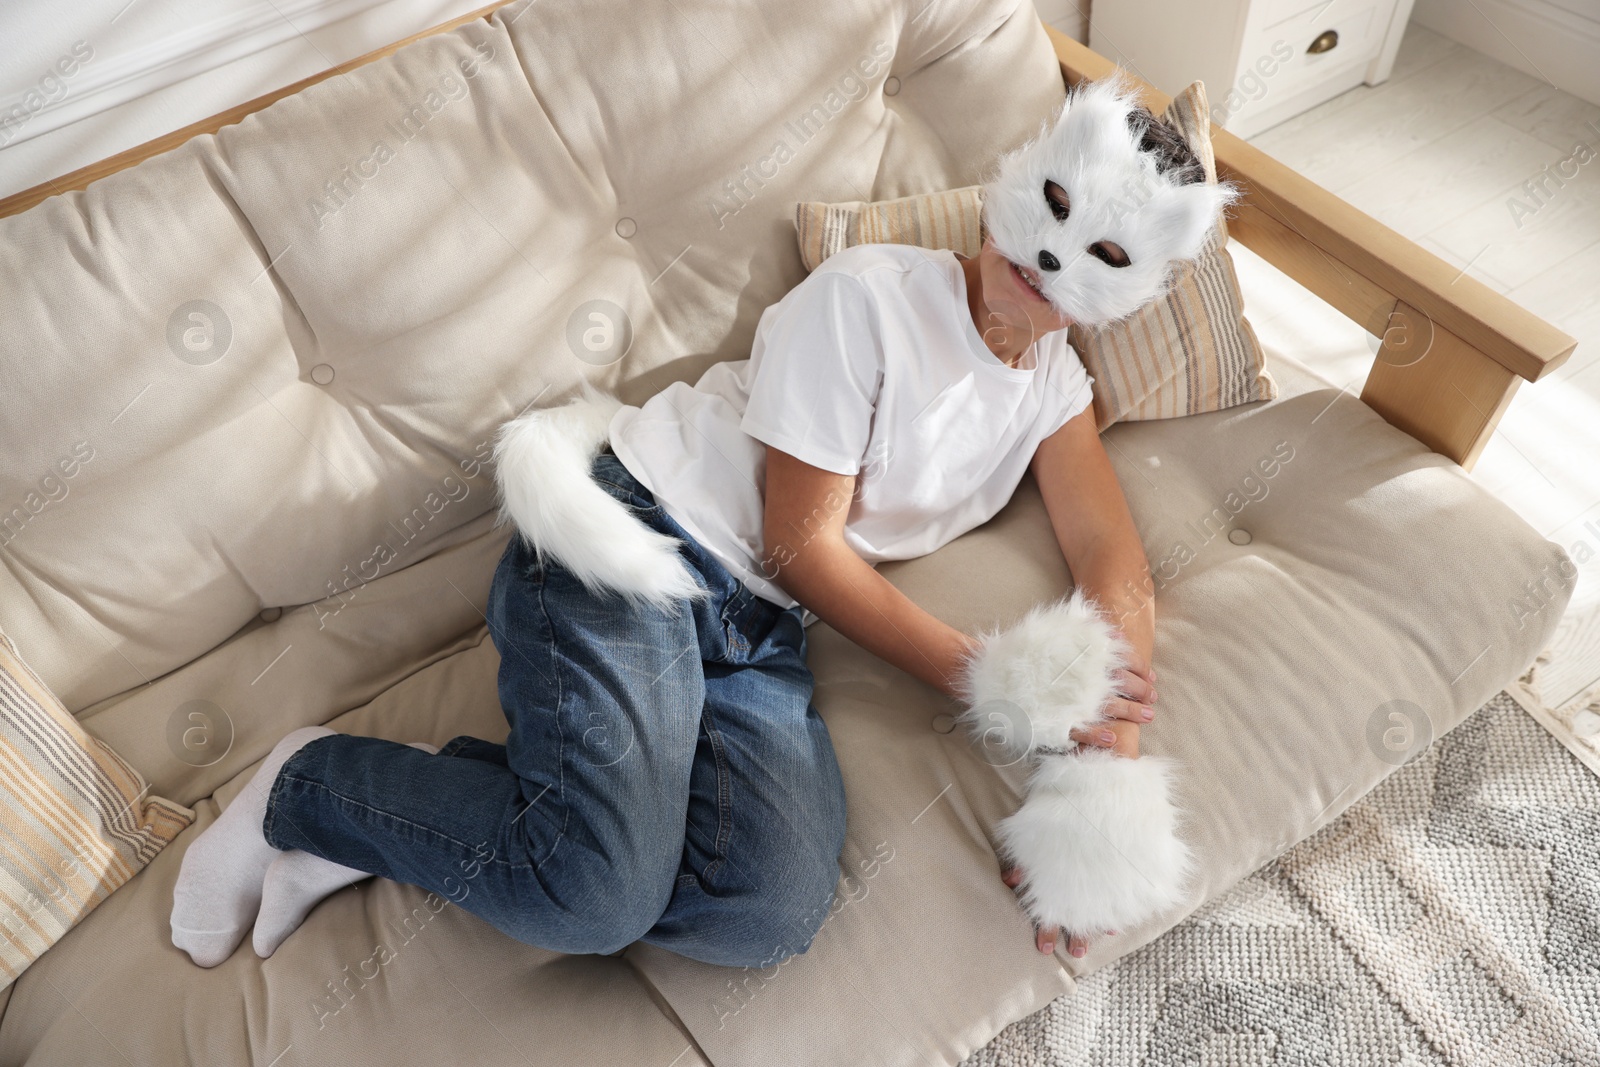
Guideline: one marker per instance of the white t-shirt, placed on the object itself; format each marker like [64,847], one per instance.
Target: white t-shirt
[871,366]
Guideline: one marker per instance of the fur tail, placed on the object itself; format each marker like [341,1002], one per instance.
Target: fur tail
[542,461]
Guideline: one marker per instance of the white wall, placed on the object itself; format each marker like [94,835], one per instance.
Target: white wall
[1554,40]
[84,80]
[1071,17]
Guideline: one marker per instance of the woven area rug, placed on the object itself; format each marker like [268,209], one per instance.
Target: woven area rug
[1450,917]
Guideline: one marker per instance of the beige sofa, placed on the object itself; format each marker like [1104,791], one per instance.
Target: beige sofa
[299,529]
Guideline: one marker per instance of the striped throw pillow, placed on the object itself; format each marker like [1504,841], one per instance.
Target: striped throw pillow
[1186,352]
[75,818]
[951,219]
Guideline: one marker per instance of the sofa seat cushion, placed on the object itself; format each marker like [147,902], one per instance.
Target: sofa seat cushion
[1375,574]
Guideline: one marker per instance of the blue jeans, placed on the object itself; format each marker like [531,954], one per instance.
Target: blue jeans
[666,778]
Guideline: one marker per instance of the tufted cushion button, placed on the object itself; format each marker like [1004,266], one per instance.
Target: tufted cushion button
[891,86]
[1240,537]
[944,723]
[322,374]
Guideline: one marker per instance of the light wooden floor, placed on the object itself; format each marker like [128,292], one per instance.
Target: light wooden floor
[1437,152]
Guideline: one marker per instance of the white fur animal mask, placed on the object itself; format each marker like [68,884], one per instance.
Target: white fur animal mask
[1129,181]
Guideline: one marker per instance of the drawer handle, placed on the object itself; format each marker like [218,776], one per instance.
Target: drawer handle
[1324,43]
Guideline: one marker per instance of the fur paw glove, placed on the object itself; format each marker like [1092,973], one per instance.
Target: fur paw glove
[1096,837]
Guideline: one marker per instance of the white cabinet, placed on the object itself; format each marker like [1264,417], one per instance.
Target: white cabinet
[1262,60]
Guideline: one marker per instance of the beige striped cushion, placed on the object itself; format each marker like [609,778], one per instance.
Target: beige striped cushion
[74,814]
[1186,352]
[932,220]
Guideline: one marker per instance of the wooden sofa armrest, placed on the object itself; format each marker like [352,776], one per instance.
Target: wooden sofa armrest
[1453,349]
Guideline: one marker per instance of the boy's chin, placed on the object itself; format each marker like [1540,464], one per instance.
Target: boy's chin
[1048,322]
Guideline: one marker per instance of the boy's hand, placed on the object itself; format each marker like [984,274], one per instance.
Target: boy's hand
[1137,684]
[1045,938]
[1136,693]
[1126,712]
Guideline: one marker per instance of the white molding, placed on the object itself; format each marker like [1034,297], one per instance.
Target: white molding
[107,82]
[1547,40]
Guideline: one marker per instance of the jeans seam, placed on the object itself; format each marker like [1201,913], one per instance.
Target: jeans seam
[561,732]
[724,792]
[629,493]
[276,789]
[272,801]
[353,802]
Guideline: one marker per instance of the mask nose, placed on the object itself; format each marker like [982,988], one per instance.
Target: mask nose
[1047,261]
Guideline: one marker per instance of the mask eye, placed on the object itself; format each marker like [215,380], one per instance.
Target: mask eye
[1109,254]
[1056,197]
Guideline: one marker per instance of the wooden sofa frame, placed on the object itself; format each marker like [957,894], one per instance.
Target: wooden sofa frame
[1453,350]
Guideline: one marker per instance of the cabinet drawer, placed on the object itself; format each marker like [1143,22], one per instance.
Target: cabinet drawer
[1274,58]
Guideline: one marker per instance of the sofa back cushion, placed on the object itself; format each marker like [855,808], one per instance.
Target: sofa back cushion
[274,358]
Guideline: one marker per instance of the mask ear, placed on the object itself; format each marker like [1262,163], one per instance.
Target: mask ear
[1185,219]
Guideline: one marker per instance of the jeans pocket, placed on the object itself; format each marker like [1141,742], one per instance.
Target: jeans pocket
[738,644]
[746,622]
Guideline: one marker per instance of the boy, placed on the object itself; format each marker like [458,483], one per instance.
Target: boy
[666,778]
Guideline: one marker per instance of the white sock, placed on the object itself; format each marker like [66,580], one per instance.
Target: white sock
[219,883]
[296,882]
